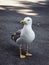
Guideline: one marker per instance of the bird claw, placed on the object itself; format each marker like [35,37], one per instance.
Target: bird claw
[28,54]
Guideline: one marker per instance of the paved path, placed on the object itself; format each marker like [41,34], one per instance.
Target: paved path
[9,23]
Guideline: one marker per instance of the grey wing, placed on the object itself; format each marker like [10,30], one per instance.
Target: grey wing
[16,35]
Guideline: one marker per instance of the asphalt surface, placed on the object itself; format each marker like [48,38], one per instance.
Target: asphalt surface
[9,23]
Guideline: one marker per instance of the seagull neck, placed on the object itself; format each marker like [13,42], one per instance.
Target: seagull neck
[27,26]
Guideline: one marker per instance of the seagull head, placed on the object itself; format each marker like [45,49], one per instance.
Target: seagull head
[27,21]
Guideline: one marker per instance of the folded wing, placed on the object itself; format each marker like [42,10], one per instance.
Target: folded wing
[16,35]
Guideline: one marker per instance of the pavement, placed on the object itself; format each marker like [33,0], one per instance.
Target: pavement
[10,17]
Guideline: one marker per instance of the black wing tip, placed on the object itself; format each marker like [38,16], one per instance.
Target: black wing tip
[13,37]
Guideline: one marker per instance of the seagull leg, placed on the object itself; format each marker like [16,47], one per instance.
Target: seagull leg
[21,55]
[27,52]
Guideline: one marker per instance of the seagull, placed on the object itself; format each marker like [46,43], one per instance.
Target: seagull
[25,34]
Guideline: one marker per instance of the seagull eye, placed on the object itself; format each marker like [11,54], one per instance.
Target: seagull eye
[28,20]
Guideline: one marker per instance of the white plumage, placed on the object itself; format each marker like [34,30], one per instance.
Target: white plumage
[26,34]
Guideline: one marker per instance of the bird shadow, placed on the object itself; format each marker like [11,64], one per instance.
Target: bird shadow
[14,50]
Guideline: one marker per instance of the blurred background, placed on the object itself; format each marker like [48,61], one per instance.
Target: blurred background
[11,12]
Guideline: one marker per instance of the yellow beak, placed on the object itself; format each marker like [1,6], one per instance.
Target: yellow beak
[22,21]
